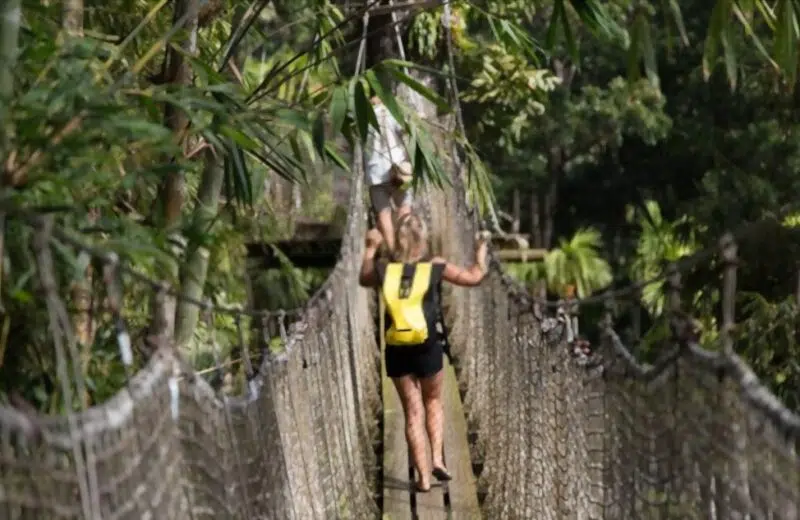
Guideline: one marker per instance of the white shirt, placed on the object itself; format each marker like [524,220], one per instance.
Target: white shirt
[384,149]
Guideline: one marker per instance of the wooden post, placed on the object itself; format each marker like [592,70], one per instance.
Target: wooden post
[797,289]
[516,211]
[729,257]
[636,316]
[608,312]
[673,289]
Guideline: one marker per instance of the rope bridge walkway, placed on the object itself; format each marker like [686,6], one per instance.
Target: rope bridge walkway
[551,432]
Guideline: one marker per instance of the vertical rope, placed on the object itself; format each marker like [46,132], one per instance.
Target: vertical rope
[44,261]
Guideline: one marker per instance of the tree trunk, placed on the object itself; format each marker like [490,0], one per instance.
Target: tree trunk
[73,17]
[536,224]
[516,211]
[176,71]
[556,163]
[555,169]
[10,15]
[82,325]
[195,269]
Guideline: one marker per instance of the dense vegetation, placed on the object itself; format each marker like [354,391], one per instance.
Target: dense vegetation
[173,133]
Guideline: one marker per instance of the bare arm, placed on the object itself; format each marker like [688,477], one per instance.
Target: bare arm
[469,276]
[368,276]
[465,277]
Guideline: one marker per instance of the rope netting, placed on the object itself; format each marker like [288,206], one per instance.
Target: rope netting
[562,433]
[297,444]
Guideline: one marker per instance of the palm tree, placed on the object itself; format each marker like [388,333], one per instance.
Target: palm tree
[576,266]
[660,243]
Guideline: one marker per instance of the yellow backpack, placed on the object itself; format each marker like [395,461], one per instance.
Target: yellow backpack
[403,299]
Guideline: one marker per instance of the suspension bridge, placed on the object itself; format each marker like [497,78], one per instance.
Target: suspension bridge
[536,427]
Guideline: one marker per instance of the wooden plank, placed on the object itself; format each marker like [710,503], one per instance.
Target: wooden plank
[456,500]
[520,255]
[462,490]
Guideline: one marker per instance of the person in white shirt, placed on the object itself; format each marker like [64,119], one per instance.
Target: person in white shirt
[388,172]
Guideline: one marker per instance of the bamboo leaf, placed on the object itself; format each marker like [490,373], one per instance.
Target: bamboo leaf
[649,52]
[421,89]
[239,137]
[634,50]
[318,135]
[744,20]
[338,108]
[593,14]
[786,39]
[677,17]
[569,37]
[337,159]
[712,42]
[385,96]
[241,181]
[553,25]
[364,114]
[729,54]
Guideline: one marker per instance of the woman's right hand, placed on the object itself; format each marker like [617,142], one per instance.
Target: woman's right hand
[373,239]
[482,239]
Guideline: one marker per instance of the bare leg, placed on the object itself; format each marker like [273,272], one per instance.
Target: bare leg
[386,227]
[434,415]
[402,201]
[408,388]
[404,209]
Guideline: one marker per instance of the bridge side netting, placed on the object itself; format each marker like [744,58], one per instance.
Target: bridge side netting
[560,435]
[297,445]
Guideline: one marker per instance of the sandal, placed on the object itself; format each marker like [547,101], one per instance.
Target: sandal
[419,489]
[442,474]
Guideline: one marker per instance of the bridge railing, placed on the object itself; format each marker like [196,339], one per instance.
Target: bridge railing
[298,444]
[560,433]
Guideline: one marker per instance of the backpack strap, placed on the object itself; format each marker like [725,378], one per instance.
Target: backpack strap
[444,336]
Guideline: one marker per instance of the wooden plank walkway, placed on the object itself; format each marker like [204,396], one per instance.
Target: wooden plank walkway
[454,500]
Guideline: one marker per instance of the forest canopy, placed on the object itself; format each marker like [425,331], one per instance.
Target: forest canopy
[620,136]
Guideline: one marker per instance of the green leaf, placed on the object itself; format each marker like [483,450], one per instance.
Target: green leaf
[634,51]
[421,89]
[553,25]
[677,17]
[238,137]
[318,135]
[648,52]
[572,44]
[786,39]
[333,155]
[744,20]
[363,110]
[338,107]
[236,166]
[385,96]
[293,118]
[730,58]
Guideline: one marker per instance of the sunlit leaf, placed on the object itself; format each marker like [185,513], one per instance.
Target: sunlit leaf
[442,105]
[385,95]
[338,108]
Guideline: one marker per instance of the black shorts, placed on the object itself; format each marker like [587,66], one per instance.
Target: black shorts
[419,360]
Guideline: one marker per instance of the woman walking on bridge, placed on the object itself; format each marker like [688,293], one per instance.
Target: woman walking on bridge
[411,289]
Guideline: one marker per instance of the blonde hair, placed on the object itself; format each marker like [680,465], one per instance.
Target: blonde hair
[411,239]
